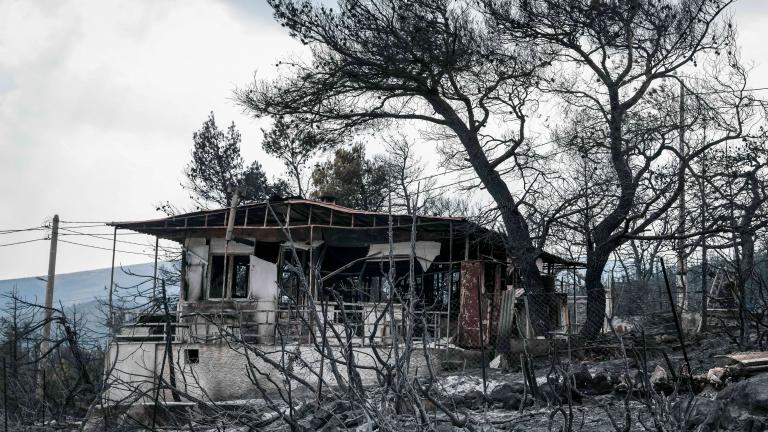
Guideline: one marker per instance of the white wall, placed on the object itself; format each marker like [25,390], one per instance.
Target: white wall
[221,373]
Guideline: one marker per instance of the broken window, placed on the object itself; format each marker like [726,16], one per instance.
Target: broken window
[289,281]
[241,267]
[217,277]
[192,355]
[489,277]
[229,279]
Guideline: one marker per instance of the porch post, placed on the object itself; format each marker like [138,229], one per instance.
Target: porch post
[154,280]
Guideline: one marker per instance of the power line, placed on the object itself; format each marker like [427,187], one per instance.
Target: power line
[19,230]
[106,249]
[103,238]
[553,141]
[441,174]
[723,91]
[110,234]
[88,226]
[446,185]
[22,242]
[728,91]
[742,105]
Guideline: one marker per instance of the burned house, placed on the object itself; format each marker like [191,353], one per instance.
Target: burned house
[284,275]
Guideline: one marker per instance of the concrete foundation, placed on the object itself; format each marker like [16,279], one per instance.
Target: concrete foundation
[221,372]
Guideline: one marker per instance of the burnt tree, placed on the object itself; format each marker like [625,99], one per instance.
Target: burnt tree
[612,60]
[432,61]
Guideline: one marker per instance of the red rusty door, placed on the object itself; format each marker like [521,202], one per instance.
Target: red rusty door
[469,322]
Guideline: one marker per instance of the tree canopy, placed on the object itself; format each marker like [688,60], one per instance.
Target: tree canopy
[475,73]
[377,62]
[295,144]
[217,169]
[352,179]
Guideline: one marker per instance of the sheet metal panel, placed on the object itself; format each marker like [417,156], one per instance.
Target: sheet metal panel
[506,321]
[469,319]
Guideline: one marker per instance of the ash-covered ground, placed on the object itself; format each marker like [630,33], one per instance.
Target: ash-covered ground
[634,382]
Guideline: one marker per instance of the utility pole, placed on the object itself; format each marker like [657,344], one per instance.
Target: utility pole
[49,290]
[682,266]
[110,306]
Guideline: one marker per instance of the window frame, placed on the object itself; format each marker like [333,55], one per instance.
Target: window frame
[192,356]
[229,264]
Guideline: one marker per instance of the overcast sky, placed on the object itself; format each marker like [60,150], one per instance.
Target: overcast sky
[99,99]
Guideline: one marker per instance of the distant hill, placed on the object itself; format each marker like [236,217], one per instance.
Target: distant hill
[81,291]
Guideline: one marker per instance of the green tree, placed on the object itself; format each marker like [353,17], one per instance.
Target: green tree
[217,169]
[352,179]
[295,144]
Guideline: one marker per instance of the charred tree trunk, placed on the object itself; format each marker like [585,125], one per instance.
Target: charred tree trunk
[603,240]
[596,261]
[744,250]
[520,247]
[519,244]
[746,266]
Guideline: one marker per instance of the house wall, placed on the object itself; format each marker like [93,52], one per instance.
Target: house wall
[195,271]
[222,371]
[130,370]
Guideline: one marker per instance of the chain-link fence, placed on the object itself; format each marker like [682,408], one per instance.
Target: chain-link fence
[711,291]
